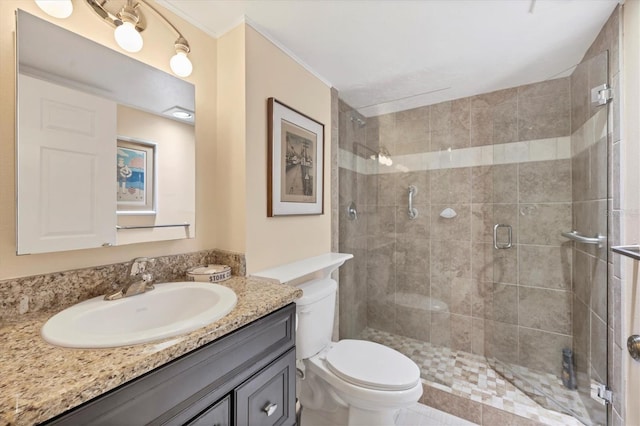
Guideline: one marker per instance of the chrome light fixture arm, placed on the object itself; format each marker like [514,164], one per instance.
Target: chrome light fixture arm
[130,13]
[100,8]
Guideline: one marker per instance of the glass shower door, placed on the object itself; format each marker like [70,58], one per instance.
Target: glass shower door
[546,301]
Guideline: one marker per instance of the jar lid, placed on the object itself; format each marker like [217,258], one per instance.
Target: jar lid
[210,269]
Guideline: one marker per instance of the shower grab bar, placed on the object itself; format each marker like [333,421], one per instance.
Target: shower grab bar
[413,212]
[598,240]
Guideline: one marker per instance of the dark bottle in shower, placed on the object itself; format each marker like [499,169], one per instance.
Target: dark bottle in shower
[568,371]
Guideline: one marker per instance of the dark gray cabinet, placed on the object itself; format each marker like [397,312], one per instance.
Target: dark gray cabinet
[244,378]
[218,415]
[268,399]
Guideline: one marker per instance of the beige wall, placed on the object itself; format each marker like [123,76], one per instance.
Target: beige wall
[157,51]
[230,167]
[630,198]
[175,191]
[271,73]
[230,145]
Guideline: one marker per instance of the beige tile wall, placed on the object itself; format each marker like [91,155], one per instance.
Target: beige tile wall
[352,235]
[453,260]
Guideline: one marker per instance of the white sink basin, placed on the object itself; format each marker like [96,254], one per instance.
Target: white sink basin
[170,310]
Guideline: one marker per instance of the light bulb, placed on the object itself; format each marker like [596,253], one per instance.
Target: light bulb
[56,8]
[180,64]
[128,37]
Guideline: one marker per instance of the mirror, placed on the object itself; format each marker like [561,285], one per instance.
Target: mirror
[105,145]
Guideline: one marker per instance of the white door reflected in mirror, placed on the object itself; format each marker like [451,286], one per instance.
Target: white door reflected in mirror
[74,105]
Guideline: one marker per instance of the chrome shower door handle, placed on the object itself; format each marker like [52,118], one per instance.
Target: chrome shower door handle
[502,246]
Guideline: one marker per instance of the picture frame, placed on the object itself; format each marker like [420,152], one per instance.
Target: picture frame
[136,180]
[295,162]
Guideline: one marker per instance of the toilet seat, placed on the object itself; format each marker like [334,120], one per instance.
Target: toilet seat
[372,366]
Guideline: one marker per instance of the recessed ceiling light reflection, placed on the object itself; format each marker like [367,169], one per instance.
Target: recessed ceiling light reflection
[182,115]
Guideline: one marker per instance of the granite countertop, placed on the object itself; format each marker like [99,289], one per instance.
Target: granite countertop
[39,381]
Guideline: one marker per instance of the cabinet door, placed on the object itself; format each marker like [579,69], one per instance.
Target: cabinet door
[218,415]
[268,398]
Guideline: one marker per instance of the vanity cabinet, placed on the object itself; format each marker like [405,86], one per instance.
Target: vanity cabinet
[244,378]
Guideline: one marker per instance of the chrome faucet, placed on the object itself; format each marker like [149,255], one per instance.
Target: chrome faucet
[140,280]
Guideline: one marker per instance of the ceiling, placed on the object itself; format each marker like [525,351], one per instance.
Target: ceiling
[385,56]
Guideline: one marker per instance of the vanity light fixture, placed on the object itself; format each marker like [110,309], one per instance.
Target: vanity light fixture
[57,8]
[129,22]
[382,156]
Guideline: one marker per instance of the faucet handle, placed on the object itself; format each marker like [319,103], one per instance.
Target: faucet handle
[147,279]
[138,266]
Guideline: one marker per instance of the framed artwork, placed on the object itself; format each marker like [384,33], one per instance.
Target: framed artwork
[295,178]
[136,176]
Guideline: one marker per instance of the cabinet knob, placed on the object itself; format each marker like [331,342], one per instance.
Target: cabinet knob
[269,409]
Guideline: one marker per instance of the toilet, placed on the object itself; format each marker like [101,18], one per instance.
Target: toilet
[350,382]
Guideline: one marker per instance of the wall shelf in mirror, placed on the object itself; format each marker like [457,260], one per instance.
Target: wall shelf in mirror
[632,251]
[186,225]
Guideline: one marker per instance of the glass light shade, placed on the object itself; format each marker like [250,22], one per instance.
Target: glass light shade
[56,8]
[182,114]
[128,37]
[181,65]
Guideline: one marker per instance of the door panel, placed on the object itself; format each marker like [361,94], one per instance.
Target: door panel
[67,158]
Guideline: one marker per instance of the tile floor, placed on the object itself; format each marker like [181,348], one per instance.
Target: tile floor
[422,415]
[470,376]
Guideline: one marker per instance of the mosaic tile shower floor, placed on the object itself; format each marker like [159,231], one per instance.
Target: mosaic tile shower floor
[470,376]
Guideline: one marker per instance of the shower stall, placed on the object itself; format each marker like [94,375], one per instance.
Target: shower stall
[479,233]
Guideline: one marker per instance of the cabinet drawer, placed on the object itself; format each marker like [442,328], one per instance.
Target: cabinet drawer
[218,415]
[268,398]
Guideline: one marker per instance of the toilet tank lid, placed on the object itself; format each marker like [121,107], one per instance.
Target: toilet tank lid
[319,266]
[315,290]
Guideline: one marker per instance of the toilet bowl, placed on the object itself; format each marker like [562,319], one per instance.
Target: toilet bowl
[349,382]
[355,382]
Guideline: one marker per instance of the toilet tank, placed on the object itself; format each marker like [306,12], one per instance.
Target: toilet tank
[314,311]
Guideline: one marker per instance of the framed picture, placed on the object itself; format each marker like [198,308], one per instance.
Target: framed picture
[295,180]
[136,176]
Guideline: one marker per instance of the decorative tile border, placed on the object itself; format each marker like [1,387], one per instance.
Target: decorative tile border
[508,153]
[559,148]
